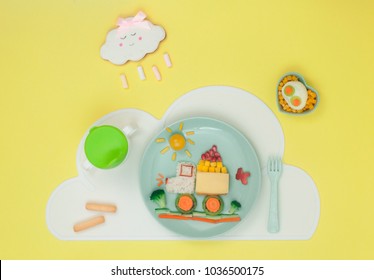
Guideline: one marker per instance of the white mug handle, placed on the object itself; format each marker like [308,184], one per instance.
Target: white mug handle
[87,165]
[129,130]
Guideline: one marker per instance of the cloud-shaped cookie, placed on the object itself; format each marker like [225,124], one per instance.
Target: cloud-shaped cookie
[131,40]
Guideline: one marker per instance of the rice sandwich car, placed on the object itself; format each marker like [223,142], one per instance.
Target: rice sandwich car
[208,178]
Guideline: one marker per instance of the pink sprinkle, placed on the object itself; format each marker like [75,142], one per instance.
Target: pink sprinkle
[140,38]
[120,44]
[156,72]
[124,81]
[167,60]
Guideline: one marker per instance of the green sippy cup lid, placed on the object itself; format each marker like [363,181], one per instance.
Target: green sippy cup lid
[106,146]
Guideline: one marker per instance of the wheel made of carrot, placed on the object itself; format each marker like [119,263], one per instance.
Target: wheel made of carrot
[185,203]
[213,204]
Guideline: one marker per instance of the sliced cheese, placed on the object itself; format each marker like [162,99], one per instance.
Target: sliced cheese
[212,183]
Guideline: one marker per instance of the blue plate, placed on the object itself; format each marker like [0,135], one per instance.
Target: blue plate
[236,151]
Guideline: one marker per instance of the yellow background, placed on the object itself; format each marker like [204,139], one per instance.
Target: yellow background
[54,85]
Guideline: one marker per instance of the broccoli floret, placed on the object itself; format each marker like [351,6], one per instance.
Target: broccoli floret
[159,197]
[235,206]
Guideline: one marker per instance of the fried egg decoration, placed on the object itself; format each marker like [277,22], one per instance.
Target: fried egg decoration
[295,94]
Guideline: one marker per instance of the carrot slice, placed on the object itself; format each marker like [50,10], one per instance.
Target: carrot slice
[213,204]
[185,203]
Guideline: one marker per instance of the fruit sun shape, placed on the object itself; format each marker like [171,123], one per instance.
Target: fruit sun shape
[177,141]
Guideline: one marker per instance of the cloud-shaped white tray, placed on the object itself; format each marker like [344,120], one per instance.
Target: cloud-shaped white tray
[299,204]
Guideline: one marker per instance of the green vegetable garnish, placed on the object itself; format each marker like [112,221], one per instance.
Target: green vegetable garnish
[234,207]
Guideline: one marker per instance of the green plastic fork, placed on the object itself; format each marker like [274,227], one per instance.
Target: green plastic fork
[274,171]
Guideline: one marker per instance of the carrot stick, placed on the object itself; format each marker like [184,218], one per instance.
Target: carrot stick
[179,217]
[230,219]
[206,220]
[162,176]
[171,216]
[159,182]
[200,219]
